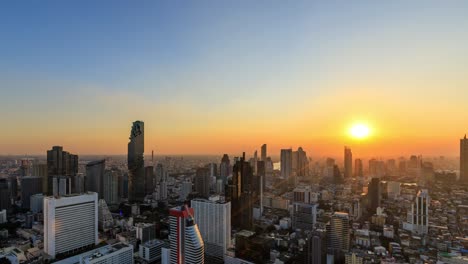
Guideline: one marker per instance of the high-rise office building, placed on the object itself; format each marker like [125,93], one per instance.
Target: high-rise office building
[187,246]
[159,173]
[374,194]
[304,216]
[418,217]
[13,187]
[358,168]
[186,189]
[263,152]
[30,185]
[302,162]
[95,177]
[338,235]
[61,185]
[203,182]
[66,217]
[150,183]
[5,199]
[225,168]
[240,192]
[214,221]
[136,149]
[348,163]
[317,247]
[40,170]
[110,190]
[145,232]
[60,163]
[286,163]
[464,159]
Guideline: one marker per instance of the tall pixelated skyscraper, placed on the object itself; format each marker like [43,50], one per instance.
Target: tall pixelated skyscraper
[263,152]
[464,159]
[136,164]
[60,163]
[286,163]
[348,163]
[186,243]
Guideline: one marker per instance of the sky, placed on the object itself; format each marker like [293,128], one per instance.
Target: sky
[212,77]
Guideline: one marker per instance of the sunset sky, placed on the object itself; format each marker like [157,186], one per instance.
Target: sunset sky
[215,77]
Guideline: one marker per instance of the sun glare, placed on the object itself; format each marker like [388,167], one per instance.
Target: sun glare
[360,131]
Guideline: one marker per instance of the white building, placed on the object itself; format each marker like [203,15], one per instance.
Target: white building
[165,256]
[118,253]
[151,250]
[418,216]
[214,221]
[70,222]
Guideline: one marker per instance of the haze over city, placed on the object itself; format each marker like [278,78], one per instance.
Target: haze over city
[211,77]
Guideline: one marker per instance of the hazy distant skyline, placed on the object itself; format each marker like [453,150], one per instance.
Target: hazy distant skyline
[211,77]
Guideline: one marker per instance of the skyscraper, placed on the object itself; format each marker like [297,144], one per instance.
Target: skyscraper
[316,247]
[213,217]
[418,217]
[203,181]
[302,167]
[5,199]
[286,163]
[304,216]
[348,163]
[60,163]
[263,154]
[187,246]
[464,159]
[30,185]
[95,177]
[111,187]
[338,235]
[225,168]
[374,194]
[240,192]
[149,180]
[358,168]
[40,169]
[136,149]
[70,223]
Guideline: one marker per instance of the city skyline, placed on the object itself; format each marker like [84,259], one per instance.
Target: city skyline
[316,69]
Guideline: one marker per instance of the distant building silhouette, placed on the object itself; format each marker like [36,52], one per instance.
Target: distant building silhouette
[286,163]
[464,159]
[136,149]
[95,177]
[202,182]
[263,152]
[348,163]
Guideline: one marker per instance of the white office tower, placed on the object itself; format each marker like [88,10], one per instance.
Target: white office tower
[70,223]
[214,221]
[165,255]
[105,219]
[118,253]
[418,217]
[187,245]
[151,250]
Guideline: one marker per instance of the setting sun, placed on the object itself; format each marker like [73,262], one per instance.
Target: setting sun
[360,131]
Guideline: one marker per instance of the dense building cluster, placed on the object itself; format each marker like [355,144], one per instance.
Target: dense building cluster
[61,208]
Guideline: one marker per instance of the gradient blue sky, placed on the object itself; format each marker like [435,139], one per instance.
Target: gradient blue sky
[227,76]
